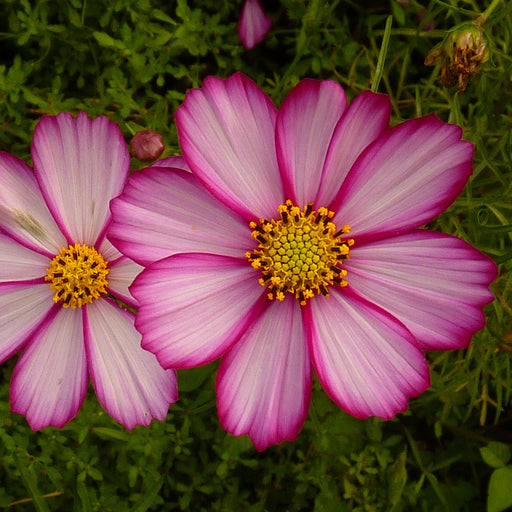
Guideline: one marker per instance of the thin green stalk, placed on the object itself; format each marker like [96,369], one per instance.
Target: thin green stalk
[83,12]
[489,9]
[382,55]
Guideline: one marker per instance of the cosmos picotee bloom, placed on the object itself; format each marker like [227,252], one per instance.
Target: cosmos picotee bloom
[60,278]
[294,245]
[253,24]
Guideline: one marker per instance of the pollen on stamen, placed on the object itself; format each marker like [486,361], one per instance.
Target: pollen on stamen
[300,253]
[78,275]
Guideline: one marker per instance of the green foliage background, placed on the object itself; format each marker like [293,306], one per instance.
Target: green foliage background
[134,60]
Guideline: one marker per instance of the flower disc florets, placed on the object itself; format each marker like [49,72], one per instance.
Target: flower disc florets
[78,275]
[300,253]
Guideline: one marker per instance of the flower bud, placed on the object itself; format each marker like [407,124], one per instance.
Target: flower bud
[147,145]
[253,24]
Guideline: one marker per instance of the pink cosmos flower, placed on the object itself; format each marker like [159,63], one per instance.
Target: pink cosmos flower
[294,245]
[253,24]
[60,278]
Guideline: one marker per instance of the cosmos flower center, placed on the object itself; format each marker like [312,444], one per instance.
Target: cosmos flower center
[300,253]
[78,275]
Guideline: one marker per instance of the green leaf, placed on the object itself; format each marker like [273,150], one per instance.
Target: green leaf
[379,70]
[397,478]
[160,15]
[222,470]
[150,496]
[83,494]
[193,378]
[374,430]
[133,473]
[95,474]
[183,10]
[398,12]
[455,112]
[495,454]
[74,17]
[112,433]
[500,490]
[103,38]
[29,478]
[437,489]
[161,39]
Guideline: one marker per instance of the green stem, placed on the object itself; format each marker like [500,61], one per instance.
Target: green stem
[382,55]
[83,12]
[489,9]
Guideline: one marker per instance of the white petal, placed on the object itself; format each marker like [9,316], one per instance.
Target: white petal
[130,384]
[174,162]
[362,122]
[22,308]
[23,211]
[404,178]
[17,263]
[81,164]
[264,381]
[108,251]
[366,360]
[122,273]
[304,128]
[49,382]
[193,307]
[226,132]
[435,284]
[163,212]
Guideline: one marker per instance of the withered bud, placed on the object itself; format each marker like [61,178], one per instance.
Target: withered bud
[147,145]
[463,52]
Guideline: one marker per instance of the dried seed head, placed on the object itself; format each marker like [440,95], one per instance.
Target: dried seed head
[463,52]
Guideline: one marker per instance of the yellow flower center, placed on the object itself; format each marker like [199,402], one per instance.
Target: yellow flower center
[78,274]
[300,253]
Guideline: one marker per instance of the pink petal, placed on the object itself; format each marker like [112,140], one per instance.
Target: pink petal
[176,162]
[122,273]
[264,381]
[193,307]
[49,382]
[17,263]
[81,164]
[162,212]
[23,307]
[108,251]
[226,132]
[23,212]
[366,360]
[254,24]
[404,179]
[304,128]
[435,284]
[130,384]
[363,121]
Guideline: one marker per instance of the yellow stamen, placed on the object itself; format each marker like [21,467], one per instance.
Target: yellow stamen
[78,275]
[300,253]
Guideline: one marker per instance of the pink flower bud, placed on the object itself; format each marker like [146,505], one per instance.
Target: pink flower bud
[147,145]
[253,24]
